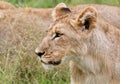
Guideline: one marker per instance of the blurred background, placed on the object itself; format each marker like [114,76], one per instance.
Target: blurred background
[52,3]
[21,31]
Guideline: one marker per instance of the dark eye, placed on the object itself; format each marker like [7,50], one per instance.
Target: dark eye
[57,35]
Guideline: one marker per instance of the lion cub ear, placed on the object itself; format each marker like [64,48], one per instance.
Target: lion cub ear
[59,10]
[86,19]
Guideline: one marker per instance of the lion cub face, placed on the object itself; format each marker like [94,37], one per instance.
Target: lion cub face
[64,35]
[55,46]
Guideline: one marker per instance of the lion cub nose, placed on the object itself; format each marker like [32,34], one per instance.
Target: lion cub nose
[40,54]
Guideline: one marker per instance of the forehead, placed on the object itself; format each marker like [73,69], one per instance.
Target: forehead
[55,26]
[59,24]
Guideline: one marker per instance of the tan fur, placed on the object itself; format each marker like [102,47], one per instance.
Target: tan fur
[5,5]
[91,44]
[110,14]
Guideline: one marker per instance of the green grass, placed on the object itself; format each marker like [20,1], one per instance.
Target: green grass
[52,3]
[18,40]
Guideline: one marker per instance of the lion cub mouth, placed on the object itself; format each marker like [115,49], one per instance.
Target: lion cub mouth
[51,62]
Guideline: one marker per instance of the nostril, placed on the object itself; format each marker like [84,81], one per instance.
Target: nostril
[40,53]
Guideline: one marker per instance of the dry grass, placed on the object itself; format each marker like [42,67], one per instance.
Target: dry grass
[20,33]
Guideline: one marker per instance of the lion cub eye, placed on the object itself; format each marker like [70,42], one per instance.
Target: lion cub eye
[57,35]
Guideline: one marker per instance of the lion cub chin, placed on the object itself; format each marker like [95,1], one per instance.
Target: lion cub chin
[48,67]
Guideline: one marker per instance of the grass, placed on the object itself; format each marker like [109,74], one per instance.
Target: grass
[19,35]
[52,3]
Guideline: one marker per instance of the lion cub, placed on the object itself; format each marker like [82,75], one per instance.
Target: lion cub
[91,45]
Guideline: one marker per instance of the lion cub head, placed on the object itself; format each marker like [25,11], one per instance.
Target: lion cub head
[65,35]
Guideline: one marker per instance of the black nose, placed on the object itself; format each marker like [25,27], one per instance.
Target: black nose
[40,53]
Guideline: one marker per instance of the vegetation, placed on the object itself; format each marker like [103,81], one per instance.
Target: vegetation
[52,3]
[18,63]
